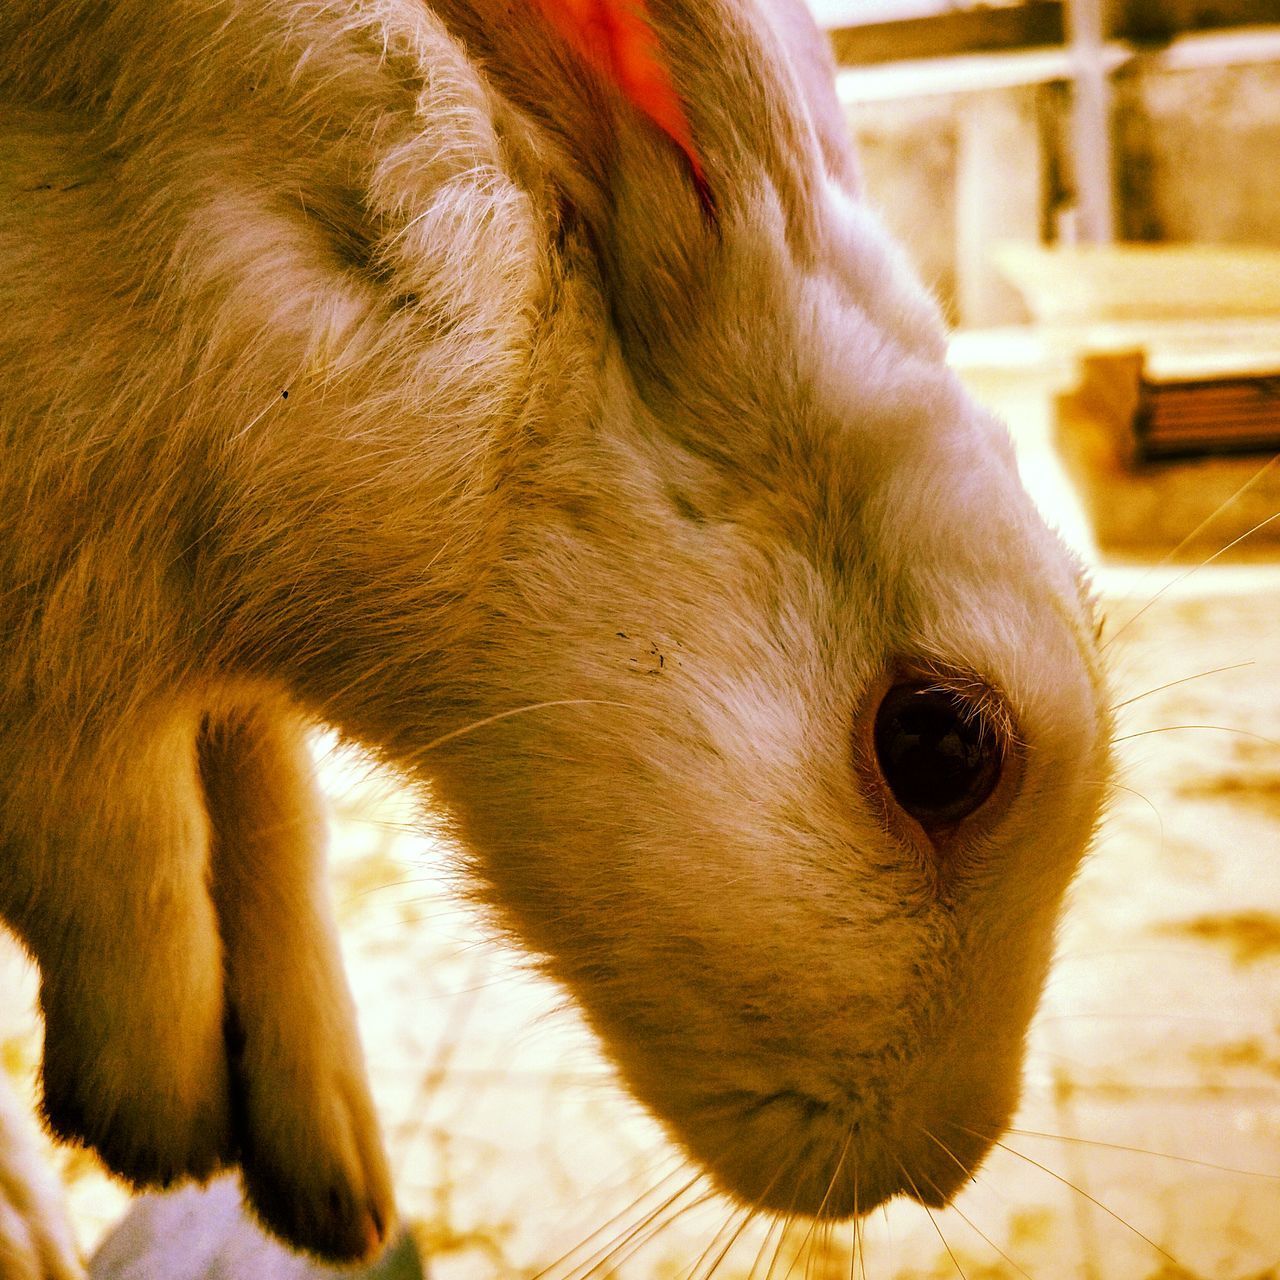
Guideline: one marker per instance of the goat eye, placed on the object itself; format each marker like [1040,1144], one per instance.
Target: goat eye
[938,754]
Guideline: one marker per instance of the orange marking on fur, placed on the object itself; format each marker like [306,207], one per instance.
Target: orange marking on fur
[618,40]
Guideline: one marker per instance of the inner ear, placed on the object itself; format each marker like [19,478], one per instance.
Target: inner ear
[619,42]
[725,100]
[606,165]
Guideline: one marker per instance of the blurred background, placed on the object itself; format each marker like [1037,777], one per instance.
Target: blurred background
[1093,191]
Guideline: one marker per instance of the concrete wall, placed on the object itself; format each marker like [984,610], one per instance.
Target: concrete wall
[908,153]
[1197,158]
[1199,154]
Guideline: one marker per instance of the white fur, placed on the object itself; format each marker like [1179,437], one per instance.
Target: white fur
[552,438]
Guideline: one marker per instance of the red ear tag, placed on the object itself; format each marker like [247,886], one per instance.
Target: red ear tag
[618,40]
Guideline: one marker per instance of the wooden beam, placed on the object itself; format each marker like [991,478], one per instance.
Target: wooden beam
[1036,24]
[1148,21]
[964,31]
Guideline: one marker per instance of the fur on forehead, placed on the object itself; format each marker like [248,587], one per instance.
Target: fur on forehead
[785,374]
[814,427]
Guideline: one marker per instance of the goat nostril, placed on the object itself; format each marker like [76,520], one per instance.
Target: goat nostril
[937,751]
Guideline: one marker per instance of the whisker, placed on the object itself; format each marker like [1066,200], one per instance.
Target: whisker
[783,1237]
[825,1234]
[960,1212]
[977,1230]
[784,1221]
[1145,1151]
[519,711]
[1182,577]
[815,1245]
[692,1272]
[788,1219]
[911,1182]
[604,1251]
[650,1230]
[1144,1015]
[762,1248]
[1209,519]
[973,1226]
[1170,684]
[835,1177]
[613,1184]
[241,432]
[821,1249]
[1222,506]
[796,1159]
[817,1217]
[1220,728]
[812,1241]
[955,1262]
[777,1224]
[1080,1191]
[748,1217]
[857,1230]
[1148,802]
[955,1159]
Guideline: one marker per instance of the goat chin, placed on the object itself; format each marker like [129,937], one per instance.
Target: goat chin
[378,364]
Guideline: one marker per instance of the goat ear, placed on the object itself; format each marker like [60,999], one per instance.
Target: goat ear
[711,116]
[591,76]
[617,38]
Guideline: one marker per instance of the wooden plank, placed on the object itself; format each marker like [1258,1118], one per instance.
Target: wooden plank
[1208,416]
[1144,282]
[1146,21]
[1142,500]
[1005,28]
[990,30]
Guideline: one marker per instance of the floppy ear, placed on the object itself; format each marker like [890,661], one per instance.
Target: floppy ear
[634,178]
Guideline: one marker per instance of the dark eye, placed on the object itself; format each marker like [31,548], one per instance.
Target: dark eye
[937,752]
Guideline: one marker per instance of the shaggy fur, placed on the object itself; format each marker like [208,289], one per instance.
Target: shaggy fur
[374,363]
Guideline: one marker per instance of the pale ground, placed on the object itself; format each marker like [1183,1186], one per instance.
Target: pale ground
[1155,1064]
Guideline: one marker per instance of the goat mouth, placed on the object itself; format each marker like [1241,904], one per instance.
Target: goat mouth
[788,1152]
